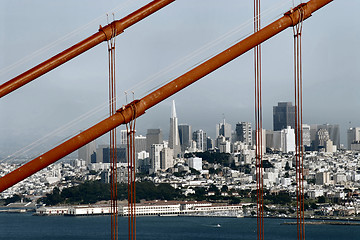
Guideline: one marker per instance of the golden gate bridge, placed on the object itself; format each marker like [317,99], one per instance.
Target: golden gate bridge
[127,114]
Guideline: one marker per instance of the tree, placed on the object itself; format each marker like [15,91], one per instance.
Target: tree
[321,199]
[287,166]
[14,198]
[235,200]
[267,164]
[213,188]
[194,171]
[224,188]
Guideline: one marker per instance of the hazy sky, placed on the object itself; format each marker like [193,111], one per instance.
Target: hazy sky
[152,46]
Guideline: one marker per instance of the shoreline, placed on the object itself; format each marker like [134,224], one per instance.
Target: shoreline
[354,221]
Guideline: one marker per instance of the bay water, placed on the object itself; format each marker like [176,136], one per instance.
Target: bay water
[25,226]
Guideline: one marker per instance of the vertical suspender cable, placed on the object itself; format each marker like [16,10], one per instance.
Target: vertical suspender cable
[258,126]
[130,129]
[299,153]
[129,181]
[113,150]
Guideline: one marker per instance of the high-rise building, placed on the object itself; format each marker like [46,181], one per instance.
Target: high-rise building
[224,129]
[185,135]
[155,157]
[334,133]
[209,143]
[243,132]
[153,136]
[322,136]
[199,137]
[174,140]
[288,140]
[353,136]
[283,140]
[88,152]
[262,136]
[332,129]
[283,116]
[123,137]
[166,158]
[103,154]
[306,135]
[140,143]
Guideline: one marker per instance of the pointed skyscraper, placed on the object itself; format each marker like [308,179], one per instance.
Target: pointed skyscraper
[174,140]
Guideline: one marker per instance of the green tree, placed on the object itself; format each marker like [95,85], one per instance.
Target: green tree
[321,199]
[287,166]
[224,188]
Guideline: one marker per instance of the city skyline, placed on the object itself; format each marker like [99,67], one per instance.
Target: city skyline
[79,86]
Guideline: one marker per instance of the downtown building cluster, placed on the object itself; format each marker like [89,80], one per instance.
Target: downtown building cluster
[330,170]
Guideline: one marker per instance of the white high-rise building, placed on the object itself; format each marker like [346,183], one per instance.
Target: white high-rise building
[155,156]
[166,158]
[288,140]
[306,135]
[262,136]
[174,140]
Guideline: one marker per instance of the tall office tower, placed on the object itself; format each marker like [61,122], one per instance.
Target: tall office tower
[103,154]
[185,135]
[322,135]
[166,158]
[88,152]
[263,139]
[209,143]
[155,157]
[153,136]
[174,140]
[140,143]
[333,130]
[243,132]
[306,135]
[353,136]
[283,116]
[224,129]
[270,139]
[123,137]
[199,137]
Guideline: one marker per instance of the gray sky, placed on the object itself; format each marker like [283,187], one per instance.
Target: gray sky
[330,60]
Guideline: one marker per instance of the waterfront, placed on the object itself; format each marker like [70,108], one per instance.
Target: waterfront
[26,226]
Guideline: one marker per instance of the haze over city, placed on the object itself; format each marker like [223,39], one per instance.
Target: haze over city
[78,87]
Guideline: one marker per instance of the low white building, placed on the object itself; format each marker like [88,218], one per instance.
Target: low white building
[196,163]
[89,210]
